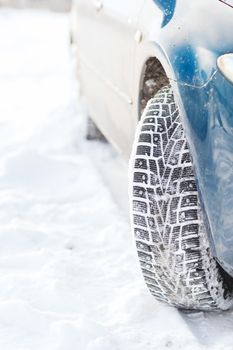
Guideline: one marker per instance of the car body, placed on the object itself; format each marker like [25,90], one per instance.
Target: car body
[118,43]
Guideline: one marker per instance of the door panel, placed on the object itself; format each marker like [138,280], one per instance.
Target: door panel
[106,39]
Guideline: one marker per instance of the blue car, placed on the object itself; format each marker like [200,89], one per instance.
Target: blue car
[158,78]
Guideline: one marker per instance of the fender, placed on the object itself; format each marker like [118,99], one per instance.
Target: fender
[193,36]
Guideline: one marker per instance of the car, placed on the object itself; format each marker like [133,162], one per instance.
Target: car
[158,80]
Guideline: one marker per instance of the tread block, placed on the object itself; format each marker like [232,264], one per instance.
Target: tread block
[145,138]
[188,186]
[143,150]
[143,247]
[140,207]
[148,127]
[139,220]
[141,234]
[189,201]
[139,192]
[140,178]
[141,163]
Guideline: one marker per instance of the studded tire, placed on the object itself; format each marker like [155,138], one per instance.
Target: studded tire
[167,222]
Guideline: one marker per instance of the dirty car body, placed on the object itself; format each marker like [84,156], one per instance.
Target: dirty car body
[185,39]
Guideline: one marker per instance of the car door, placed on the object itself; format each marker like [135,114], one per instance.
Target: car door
[107,30]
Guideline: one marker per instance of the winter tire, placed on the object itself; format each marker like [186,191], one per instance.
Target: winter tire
[166,217]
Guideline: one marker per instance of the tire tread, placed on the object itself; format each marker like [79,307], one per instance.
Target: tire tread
[166,216]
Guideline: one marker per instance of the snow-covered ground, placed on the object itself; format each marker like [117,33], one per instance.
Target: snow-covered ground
[69,278]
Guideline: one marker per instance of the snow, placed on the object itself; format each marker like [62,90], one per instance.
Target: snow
[69,277]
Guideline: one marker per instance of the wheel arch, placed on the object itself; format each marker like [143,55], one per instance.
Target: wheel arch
[153,63]
[153,77]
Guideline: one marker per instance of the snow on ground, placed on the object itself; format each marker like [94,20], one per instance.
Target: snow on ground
[69,278]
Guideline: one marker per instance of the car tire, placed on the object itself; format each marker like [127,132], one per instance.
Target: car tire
[93,133]
[166,216]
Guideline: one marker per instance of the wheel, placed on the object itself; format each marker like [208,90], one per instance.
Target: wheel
[93,132]
[167,222]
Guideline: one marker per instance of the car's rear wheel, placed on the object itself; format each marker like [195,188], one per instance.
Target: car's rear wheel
[166,217]
[93,133]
